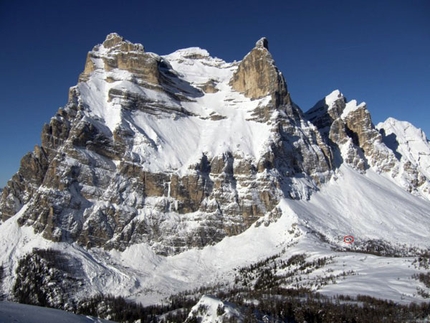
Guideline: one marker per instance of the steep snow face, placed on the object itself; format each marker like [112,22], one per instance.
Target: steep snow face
[197,67]
[367,206]
[175,143]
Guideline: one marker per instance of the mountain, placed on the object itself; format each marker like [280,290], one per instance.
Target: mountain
[169,173]
[149,144]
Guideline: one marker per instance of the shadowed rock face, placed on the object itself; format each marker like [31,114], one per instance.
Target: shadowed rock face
[25,183]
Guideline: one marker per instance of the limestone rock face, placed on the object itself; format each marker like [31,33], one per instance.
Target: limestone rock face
[115,52]
[147,70]
[364,135]
[257,76]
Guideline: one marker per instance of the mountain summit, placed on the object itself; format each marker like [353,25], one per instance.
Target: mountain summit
[157,160]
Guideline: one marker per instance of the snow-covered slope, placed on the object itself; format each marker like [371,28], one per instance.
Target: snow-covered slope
[168,173]
[20,313]
[163,137]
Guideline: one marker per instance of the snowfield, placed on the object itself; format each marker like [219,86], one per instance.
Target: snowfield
[20,313]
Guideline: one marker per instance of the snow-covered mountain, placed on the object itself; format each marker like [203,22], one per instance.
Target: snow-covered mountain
[168,173]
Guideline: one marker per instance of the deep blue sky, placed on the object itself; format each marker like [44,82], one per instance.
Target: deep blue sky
[373,51]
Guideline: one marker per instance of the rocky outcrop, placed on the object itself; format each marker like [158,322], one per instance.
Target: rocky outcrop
[148,70]
[348,129]
[364,135]
[257,76]
[115,52]
[25,183]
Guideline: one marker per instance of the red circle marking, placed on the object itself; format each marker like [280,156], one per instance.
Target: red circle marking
[348,239]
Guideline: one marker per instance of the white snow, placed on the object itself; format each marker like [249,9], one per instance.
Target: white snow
[351,106]
[367,206]
[411,149]
[20,313]
[177,150]
[333,97]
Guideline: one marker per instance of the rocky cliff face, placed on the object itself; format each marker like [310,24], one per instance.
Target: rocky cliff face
[182,150]
[257,76]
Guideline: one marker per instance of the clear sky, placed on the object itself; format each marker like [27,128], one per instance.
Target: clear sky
[373,51]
